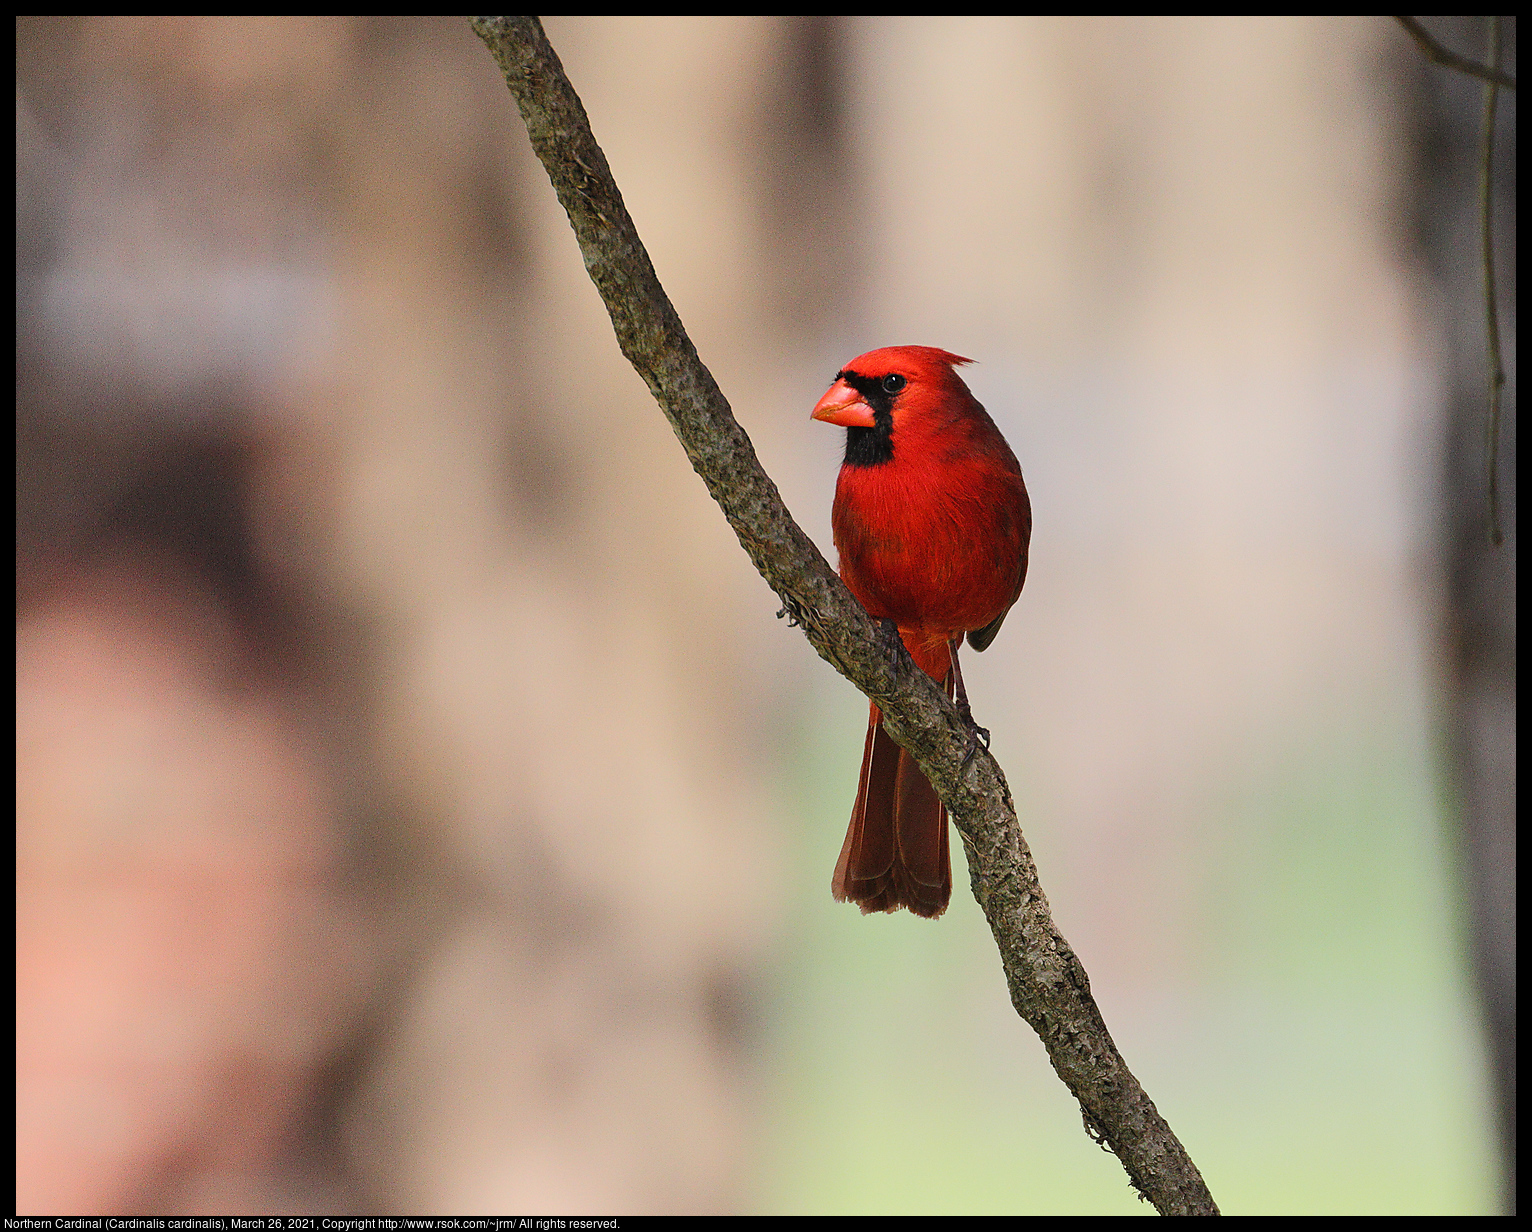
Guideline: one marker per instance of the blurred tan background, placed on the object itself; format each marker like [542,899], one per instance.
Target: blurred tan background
[419,808]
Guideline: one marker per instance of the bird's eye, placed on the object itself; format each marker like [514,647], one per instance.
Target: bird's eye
[893,383]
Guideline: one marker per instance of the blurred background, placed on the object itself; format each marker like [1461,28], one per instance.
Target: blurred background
[419,808]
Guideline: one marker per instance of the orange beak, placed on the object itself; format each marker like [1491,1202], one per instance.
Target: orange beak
[844,406]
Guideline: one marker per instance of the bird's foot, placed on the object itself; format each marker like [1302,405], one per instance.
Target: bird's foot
[976,734]
[796,615]
[892,642]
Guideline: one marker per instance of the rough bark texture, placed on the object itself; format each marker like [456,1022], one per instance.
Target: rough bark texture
[1047,983]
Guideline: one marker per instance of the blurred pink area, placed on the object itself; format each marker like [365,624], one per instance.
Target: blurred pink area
[184,960]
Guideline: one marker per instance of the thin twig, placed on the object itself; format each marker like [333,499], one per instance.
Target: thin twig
[1491,313]
[1438,54]
[1047,983]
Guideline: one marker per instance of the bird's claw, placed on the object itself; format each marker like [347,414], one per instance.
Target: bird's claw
[892,642]
[976,735]
[793,610]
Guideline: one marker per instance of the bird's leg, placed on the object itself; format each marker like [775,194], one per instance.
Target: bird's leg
[975,732]
[892,642]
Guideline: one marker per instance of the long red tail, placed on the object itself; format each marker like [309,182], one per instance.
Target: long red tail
[895,854]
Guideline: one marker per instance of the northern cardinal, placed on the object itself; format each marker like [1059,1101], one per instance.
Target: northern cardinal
[932,522]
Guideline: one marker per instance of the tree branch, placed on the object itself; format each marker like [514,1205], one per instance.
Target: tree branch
[1437,54]
[1047,983]
[1493,78]
[1491,311]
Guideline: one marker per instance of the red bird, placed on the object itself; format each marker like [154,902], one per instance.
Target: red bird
[932,523]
